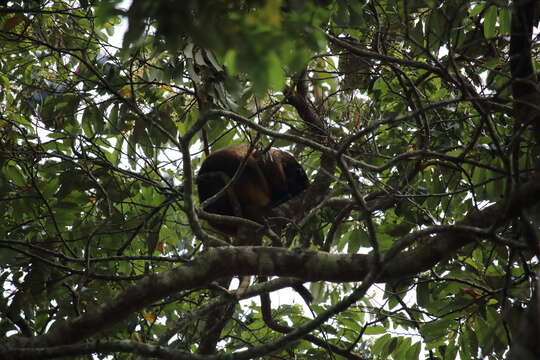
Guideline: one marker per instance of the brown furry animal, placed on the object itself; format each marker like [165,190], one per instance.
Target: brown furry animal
[268,179]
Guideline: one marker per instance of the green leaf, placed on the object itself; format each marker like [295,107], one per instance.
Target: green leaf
[505,19]
[435,29]
[375,330]
[413,352]
[477,9]
[422,293]
[355,241]
[14,174]
[451,352]
[490,19]
[230,62]
[468,344]
[436,329]
[381,345]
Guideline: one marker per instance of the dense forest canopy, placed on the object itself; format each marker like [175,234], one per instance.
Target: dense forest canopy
[417,122]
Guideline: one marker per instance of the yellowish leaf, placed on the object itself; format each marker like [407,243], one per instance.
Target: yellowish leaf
[151,318]
[125,92]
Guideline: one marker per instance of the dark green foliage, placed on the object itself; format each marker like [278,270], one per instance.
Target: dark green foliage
[412,101]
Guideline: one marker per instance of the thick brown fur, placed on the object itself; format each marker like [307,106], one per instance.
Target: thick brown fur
[269,178]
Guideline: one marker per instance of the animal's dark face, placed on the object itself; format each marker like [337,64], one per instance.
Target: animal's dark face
[292,179]
[298,180]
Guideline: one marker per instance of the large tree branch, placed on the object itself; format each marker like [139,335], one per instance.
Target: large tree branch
[525,87]
[526,94]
